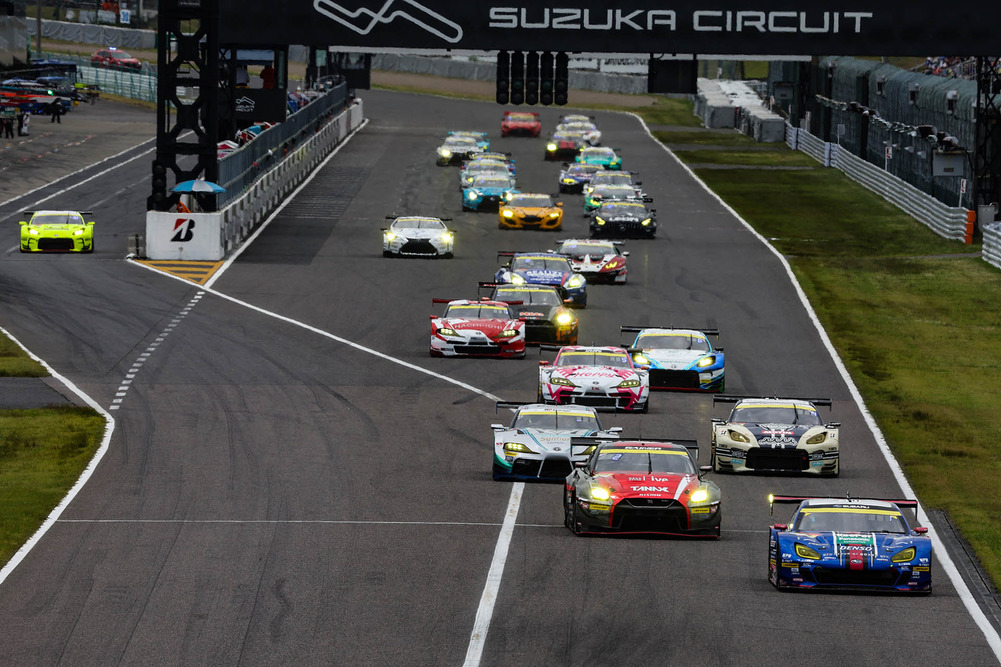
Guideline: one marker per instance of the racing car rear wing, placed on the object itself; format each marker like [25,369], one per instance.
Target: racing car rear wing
[634,329]
[394,217]
[733,398]
[584,442]
[795,500]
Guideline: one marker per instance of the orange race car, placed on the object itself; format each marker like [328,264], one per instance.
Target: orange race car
[531,210]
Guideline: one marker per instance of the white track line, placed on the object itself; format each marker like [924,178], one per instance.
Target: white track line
[109,429]
[944,560]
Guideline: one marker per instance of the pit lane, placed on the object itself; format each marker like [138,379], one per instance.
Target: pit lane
[272,495]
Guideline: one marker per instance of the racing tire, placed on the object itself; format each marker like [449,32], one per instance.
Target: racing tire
[498,473]
[568,512]
[24,248]
[575,526]
[386,253]
[447,255]
[646,407]
[539,396]
[714,460]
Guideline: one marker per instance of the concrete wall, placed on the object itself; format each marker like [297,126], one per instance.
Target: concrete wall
[13,39]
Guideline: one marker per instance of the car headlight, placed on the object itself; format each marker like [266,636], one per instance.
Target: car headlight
[508,333]
[33,232]
[598,220]
[550,147]
[444,152]
[701,495]
[804,551]
[447,331]
[817,439]
[737,436]
[390,236]
[625,384]
[507,214]
[447,237]
[905,555]
[554,214]
[517,280]
[706,361]
[600,493]
[568,181]
[646,223]
[517,448]
[641,360]
[563,382]
[77,232]
[576,280]
[564,319]
[472,194]
[508,196]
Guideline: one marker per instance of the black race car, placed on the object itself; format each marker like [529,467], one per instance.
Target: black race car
[617,219]
[547,319]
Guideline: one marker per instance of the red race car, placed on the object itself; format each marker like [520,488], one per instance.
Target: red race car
[477,329]
[112,58]
[521,123]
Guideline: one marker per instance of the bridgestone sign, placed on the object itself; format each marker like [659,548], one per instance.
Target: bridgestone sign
[915,27]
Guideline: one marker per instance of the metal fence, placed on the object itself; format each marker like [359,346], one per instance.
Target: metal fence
[241,168]
[992,244]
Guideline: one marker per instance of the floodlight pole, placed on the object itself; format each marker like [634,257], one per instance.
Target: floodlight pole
[987,150]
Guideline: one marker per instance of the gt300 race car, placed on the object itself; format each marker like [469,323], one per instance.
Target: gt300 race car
[541,308]
[537,211]
[543,268]
[566,144]
[645,486]
[604,377]
[618,219]
[598,261]
[481,138]
[417,236]
[521,123]
[57,231]
[601,193]
[536,446]
[477,329]
[678,358]
[606,157]
[775,434]
[479,166]
[849,543]
[455,149]
[488,190]
[606,177]
[574,177]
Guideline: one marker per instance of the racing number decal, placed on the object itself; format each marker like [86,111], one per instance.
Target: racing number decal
[183,230]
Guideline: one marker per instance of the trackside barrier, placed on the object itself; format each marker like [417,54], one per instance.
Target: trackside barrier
[950,222]
[992,244]
[210,236]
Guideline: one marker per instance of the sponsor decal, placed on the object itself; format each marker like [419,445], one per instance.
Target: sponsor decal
[184,230]
[245,105]
[699,510]
[921,568]
[363,20]
[652,489]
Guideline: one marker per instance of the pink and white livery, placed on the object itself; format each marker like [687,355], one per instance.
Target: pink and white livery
[603,377]
[477,329]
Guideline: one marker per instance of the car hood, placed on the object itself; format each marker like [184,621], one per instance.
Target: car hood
[59,228]
[652,485]
[593,372]
[419,233]
[536,312]
[778,434]
[674,359]
[533,210]
[487,326]
[543,276]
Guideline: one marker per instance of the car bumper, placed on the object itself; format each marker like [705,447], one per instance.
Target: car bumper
[441,348]
[613,399]
[417,248]
[655,516]
[739,457]
[534,222]
[533,467]
[812,576]
[57,244]
[686,380]
[623,229]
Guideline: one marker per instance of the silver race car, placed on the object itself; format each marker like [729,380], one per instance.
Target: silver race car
[417,236]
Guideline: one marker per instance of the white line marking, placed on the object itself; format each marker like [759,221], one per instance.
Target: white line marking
[942,556]
[349,522]
[109,429]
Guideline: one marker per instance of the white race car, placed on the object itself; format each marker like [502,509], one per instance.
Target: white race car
[477,329]
[593,375]
[679,358]
[597,260]
[536,446]
[592,135]
[417,236]
[775,435]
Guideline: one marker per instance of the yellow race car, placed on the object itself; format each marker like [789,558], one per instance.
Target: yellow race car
[531,210]
[57,231]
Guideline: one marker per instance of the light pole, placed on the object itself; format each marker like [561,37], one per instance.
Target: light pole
[38,30]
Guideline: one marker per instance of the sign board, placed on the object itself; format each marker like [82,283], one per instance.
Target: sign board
[125,16]
[962,186]
[889,152]
[194,236]
[767,27]
[260,104]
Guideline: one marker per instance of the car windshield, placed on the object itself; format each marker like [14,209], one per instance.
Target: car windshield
[622,208]
[478,168]
[775,414]
[849,520]
[418,223]
[56,219]
[532,201]
[476,311]
[540,264]
[521,117]
[614,191]
[589,358]
[534,297]
[611,178]
[119,55]
[576,248]
[598,152]
[583,169]
[460,141]
[643,461]
[490,181]
[673,341]
[553,420]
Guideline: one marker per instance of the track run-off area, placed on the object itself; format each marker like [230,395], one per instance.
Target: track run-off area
[291,478]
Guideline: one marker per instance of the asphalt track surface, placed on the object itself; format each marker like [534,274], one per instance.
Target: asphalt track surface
[274,496]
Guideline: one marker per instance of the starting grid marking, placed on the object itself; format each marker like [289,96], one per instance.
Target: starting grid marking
[196,272]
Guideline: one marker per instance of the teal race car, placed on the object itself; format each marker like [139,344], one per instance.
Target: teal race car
[488,191]
[57,231]
[600,155]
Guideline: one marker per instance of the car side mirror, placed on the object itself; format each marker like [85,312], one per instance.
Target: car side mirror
[706,468]
[497,426]
[615,429]
[580,464]
[921,530]
[559,204]
[23,222]
[543,362]
[625,254]
[717,420]
[638,182]
[779,526]
[718,349]
[832,425]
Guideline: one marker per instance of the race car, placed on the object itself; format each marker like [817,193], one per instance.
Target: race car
[604,377]
[590,131]
[521,123]
[775,435]
[455,149]
[608,177]
[537,211]
[57,231]
[412,235]
[536,446]
[678,358]
[503,157]
[601,193]
[575,118]
[478,166]
[564,145]
[606,157]
[477,329]
[488,190]
[573,177]
[543,268]
[641,487]
[620,219]
[541,308]
[849,544]
[481,138]
[599,261]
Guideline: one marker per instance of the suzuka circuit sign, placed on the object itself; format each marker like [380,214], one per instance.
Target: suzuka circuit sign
[775,27]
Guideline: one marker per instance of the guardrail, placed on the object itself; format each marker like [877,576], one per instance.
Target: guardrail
[947,221]
[992,244]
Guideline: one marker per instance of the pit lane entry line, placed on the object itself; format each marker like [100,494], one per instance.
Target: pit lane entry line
[941,554]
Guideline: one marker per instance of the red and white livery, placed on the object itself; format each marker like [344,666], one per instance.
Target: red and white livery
[603,377]
[524,123]
[477,329]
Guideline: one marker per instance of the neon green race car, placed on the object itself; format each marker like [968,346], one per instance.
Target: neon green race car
[57,231]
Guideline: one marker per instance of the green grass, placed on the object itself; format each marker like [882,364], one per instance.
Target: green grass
[703,137]
[14,362]
[779,157]
[42,453]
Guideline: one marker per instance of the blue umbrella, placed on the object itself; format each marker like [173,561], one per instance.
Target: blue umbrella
[199,186]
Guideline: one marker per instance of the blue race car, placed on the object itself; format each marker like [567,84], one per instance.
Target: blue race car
[479,137]
[573,177]
[849,543]
[678,358]
[544,268]
[488,190]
